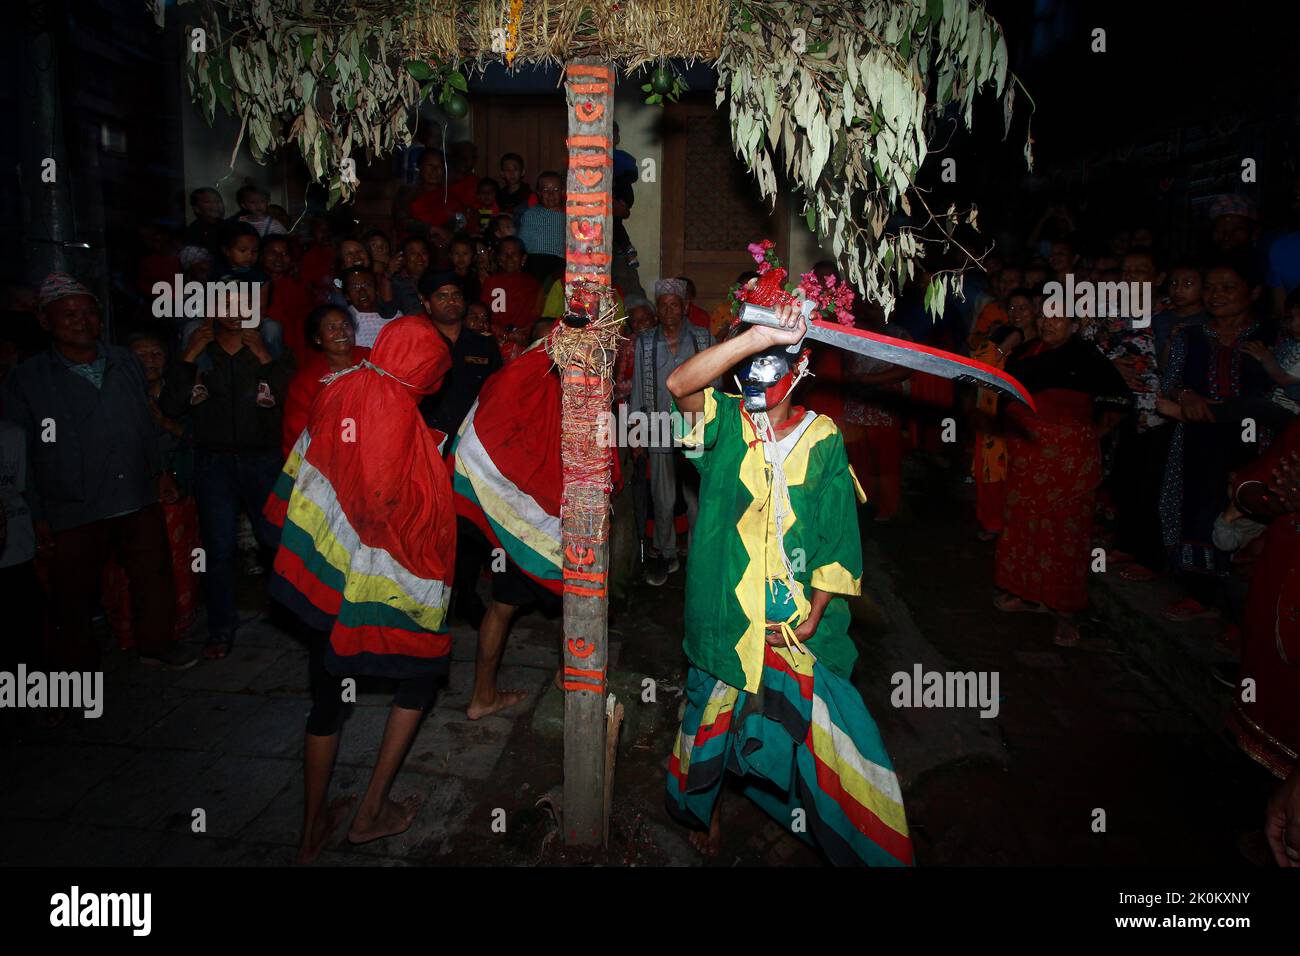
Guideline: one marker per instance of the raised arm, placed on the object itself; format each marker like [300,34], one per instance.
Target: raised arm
[688,381]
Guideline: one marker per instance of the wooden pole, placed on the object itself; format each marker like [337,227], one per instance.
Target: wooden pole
[584,514]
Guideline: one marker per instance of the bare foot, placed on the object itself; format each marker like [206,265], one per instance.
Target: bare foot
[708,844]
[393,819]
[313,843]
[504,699]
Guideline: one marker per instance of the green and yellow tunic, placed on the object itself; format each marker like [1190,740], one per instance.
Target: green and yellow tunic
[735,562]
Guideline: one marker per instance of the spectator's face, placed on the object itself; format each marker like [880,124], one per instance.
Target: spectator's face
[359,287]
[415,258]
[275,257]
[431,171]
[1062,258]
[510,257]
[486,197]
[1020,312]
[1120,243]
[1142,239]
[1139,267]
[201,271]
[152,356]
[378,248]
[669,308]
[512,172]
[209,206]
[548,192]
[482,256]
[1232,232]
[462,257]
[1185,287]
[476,317]
[1226,294]
[642,318]
[446,305]
[1105,264]
[505,227]
[1055,329]
[242,253]
[254,204]
[353,253]
[337,336]
[1008,279]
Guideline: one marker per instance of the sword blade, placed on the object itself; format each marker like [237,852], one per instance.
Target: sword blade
[921,358]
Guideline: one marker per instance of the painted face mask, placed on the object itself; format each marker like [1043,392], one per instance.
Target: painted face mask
[766,378]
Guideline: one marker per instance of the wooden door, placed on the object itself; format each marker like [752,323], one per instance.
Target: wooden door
[532,126]
[711,209]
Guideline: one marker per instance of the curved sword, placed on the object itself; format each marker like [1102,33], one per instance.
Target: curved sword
[921,358]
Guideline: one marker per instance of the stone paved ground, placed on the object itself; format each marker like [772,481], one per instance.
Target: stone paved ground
[1078,730]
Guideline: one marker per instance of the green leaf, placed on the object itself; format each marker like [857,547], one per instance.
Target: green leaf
[223,94]
[645,87]
[810,217]
[457,81]
[419,69]
[306,46]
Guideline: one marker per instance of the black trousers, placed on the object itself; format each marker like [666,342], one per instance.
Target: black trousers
[1135,484]
[326,716]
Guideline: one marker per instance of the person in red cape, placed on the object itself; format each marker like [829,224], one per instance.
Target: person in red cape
[331,342]
[365,561]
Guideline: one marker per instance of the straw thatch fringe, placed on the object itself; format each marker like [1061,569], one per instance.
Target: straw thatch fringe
[630,32]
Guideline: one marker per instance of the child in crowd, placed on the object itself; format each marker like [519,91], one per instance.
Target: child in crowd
[253,209]
[209,216]
[489,206]
[461,253]
[516,195]
[1182,305]
[369,313]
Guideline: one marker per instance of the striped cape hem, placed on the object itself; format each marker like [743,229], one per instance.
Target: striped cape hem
[804,741]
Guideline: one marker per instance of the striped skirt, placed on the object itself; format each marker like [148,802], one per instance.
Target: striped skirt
[808,753]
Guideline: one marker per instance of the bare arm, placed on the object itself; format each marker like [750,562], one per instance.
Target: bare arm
[688,381]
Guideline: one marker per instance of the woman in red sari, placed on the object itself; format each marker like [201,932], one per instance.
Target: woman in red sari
[1267,726]
[332,340]
[1053,469]
[990,465]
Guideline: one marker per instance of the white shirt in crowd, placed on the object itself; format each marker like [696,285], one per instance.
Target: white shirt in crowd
[368,325]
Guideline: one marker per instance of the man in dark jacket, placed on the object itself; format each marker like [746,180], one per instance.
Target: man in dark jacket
[233,385]
[95,472]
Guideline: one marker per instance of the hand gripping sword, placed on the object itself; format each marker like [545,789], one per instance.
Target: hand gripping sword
[921,358]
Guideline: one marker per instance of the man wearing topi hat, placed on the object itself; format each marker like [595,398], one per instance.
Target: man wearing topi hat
[95,469]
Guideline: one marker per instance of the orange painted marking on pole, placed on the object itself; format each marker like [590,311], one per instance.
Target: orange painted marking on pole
[587,69]
[597,577]
[581,556]
[589,177]
[579,672]
[586,209]
[588,112]
[589,258]
[581,648]
[587,230]
[578,685]
[584,592]
[600,160]
[589,89]
[588,142]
